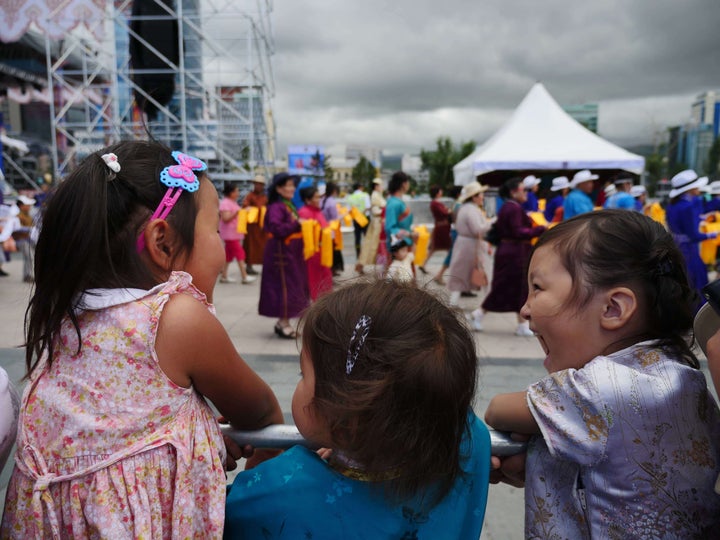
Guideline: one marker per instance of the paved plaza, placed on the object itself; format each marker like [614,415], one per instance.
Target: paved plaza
[508,362]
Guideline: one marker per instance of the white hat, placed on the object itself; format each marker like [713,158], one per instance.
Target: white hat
[378,181]
[22,199]
[530,181]
[470,190]
[685,181]
[638,190]
[260,179]
[713,187]
[623,180]
[610,189]
[582,176]
[561,182]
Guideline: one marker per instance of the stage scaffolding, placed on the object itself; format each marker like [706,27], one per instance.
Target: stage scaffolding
[221,109]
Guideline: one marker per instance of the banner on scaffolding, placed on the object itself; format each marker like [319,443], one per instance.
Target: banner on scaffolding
[50,17]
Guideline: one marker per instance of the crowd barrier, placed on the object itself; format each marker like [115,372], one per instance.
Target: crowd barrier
[283,436]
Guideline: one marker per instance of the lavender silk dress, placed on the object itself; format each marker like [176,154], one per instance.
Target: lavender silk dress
[630,449]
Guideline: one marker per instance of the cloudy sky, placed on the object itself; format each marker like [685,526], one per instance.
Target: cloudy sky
[397,74]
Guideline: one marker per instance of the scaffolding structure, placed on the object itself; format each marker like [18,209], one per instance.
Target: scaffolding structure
[221,108]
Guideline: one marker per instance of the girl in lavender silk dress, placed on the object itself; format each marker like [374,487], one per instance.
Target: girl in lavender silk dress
[625,435]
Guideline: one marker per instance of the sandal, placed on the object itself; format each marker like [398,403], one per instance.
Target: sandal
[286,332]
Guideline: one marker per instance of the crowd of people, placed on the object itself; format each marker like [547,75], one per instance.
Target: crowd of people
[116,439]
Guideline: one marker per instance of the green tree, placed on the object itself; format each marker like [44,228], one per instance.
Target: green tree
[364,172]
[439,162]
[327,167]
[711,165]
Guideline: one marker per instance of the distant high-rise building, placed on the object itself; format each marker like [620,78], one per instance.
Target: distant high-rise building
[586,114]
[689,144]
[706,110]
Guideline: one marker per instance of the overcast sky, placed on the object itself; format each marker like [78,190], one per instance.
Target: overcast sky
[397,74]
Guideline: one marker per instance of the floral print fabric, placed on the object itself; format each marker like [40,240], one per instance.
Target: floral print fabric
[630,449]
[108,446]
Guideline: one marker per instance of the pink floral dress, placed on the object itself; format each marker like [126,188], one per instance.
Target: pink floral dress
[108,446]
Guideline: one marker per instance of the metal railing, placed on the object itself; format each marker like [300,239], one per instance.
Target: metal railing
[284,436]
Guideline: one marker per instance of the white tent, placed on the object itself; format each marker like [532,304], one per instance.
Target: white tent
[541,136]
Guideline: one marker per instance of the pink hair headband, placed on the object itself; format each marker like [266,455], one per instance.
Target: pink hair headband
[177,178]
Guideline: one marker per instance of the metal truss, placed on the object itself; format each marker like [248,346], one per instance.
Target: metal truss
[221,110]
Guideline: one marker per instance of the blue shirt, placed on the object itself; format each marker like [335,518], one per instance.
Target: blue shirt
[552,205]
[298,495]
[397,217]
[531,205]
[621,200]
[577,202]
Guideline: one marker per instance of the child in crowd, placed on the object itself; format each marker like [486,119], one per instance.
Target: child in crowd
[626,437]
[402,259]
[229,209]
[116,439]
[388,376]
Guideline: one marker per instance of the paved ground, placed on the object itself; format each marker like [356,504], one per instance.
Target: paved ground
[508,362]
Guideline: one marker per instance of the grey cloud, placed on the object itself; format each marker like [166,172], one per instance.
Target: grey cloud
[382,62]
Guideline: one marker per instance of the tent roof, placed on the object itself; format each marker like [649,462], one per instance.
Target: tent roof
[540,135]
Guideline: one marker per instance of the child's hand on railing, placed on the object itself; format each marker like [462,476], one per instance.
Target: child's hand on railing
[509,469]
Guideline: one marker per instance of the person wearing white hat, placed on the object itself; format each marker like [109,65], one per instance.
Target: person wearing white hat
[683,220]
[609,191]
[639,193]
[561,186]
[531,184]
[579,201]
[621,199]
[371,241]
[713,203]
[467,253]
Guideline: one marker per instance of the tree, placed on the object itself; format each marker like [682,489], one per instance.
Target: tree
[327,168]
[439,162]
[364,172]
[711,165]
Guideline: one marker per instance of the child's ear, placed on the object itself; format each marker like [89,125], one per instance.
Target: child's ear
[159,243]
[620,306]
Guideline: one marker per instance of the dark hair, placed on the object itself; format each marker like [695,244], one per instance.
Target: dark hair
[509,186]
[608,248]
[331,189]
[88,239]
[455,191]
[396,181]
[308,192]
[434,190]
[356,186]
[280,179]
[405,404]
[228,188]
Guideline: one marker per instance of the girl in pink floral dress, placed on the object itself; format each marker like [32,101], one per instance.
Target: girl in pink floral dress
[115,437]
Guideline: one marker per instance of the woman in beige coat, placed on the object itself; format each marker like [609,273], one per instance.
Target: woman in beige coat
[469,248]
